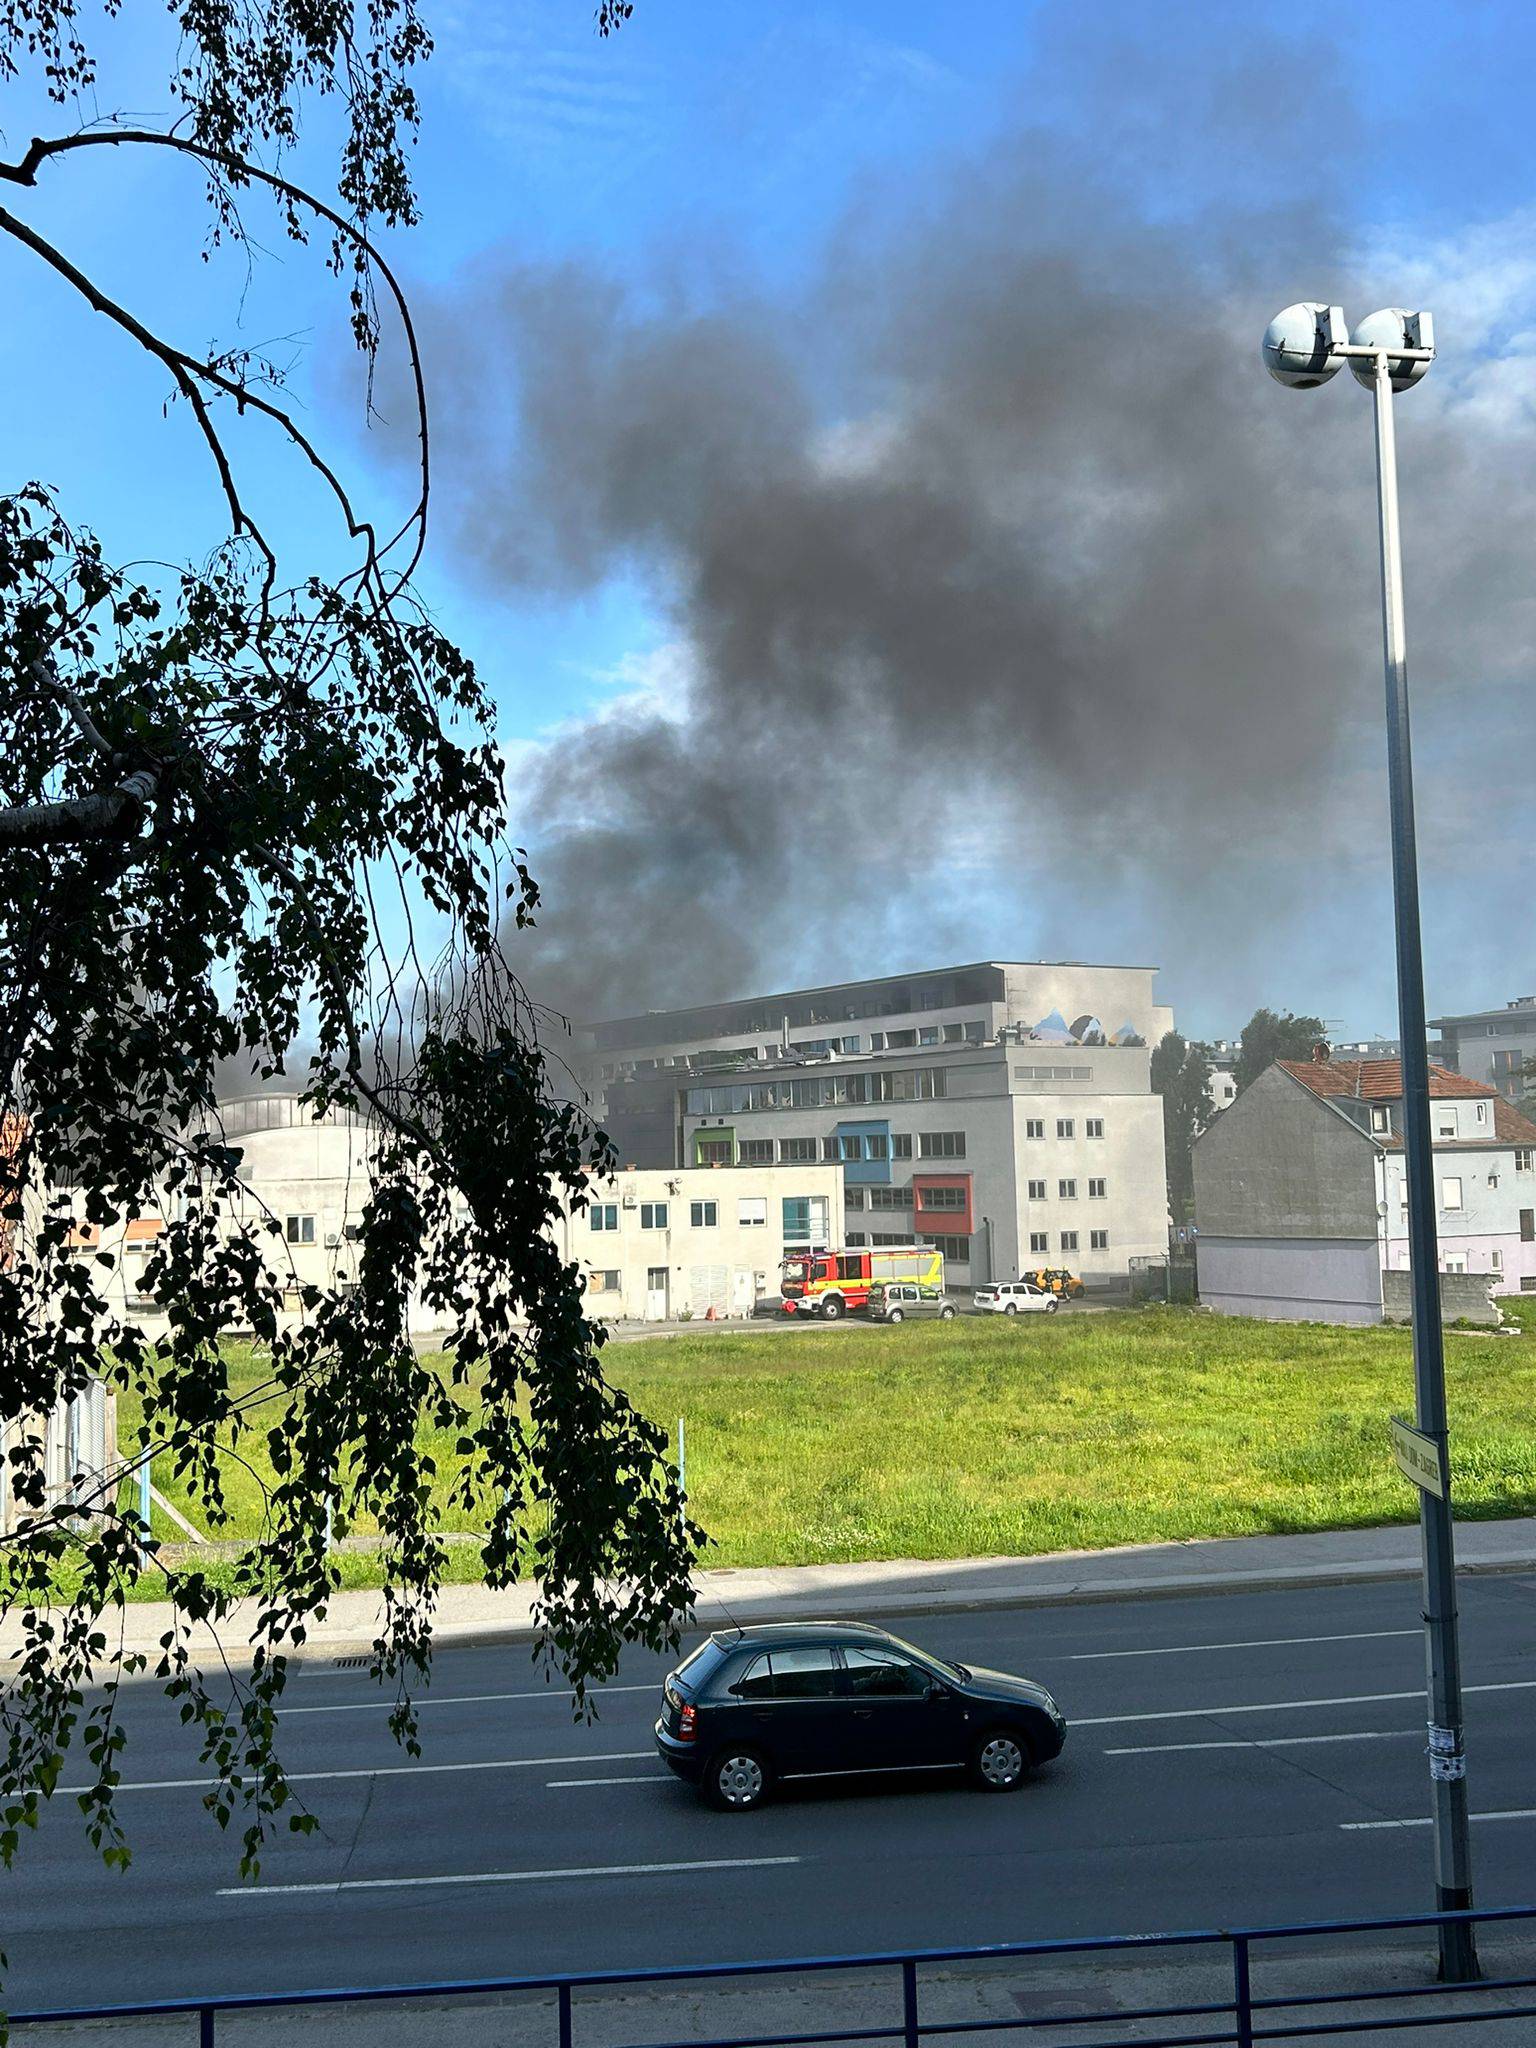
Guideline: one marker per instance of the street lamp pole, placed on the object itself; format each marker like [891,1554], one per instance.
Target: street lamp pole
[1390,351]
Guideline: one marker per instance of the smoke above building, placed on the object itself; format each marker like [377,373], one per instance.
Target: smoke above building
[985,549]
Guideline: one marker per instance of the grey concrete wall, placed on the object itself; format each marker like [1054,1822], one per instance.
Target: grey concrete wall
[1463,1296]
[1281,1164]
[1293,1279]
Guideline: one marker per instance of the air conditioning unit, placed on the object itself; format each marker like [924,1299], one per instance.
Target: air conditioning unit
[332,1239]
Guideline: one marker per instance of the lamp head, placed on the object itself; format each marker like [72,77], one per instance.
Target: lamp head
[1393,328]
[1299,344]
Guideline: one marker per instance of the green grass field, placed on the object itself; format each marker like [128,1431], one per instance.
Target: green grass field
[986,1437]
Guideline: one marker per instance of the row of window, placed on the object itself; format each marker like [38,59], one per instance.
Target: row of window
[819,1091]
[1066,1190]
[957,1250]
[901,1197]
[846,1148]
[1040,1240]
[927,1034]
[1066,1127]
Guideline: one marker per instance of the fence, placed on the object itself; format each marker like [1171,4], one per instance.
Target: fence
[1246,2010]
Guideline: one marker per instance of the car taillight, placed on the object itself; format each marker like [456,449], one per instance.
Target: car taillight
[687,1722]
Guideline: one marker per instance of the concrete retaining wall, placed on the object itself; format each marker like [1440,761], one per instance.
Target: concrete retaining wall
[1463,1296]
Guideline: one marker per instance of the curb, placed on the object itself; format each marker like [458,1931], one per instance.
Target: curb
[1087,1592]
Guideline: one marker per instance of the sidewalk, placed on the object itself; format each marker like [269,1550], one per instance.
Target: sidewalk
[469,1615]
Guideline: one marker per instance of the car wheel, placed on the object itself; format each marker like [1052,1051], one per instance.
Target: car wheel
[1010,1308]
[1000,1762]
[737,1780]
[1052,1305]
[832,1308]
[893,1315]
[947,1312]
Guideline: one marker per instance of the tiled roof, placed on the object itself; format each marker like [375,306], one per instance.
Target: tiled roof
[1377,1080]
[142,1228]
[1511,1126]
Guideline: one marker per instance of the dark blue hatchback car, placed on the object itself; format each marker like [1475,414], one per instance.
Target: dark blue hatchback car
[827,1699]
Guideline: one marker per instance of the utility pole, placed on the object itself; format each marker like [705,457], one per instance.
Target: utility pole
[1389,352]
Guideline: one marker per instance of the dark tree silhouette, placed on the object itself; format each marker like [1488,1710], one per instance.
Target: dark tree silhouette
[212,781]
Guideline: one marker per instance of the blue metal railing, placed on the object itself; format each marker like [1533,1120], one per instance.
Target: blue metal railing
[1458,2003]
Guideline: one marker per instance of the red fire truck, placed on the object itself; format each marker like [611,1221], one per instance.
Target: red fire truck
[830,1284]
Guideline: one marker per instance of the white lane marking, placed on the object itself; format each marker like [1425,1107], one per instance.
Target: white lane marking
[1358,1827]
[465,1699]
[569,1784]
[1348,1699]
[380,1884]
[1372,1635]
[515,1763]
[1268,1742]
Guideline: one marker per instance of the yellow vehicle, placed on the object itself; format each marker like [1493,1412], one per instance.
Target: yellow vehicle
[1055,1280]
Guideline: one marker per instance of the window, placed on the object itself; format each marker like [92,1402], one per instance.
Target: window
[606,1282]
[797,1151]
[653,1215]
[975,1033]
[1094,1127]
[898,1041]
[1037,1191]
[956,1249]
[890,1198]
[717,1148]
[885,1237]
[829,1149]
[1447,1130]
[300,1229]
[1039,1241]
[1098,1240]
[941,1145]
[1034,1127]
[1524,1161]
[901,1145]
[805,1674]
[1067,1189]
[1450,1192]
[880,1675]
[850,1269]
[928,1034]
[1482,1112]
[857,1237]
[1064,1127]
[757,1151]
[704,1215]
[819,1091]
[1496,1260]
[877,1145]
[805,1219]
[953,1033]
[1527,1228]
[1381,1119]
[1528,1283]
[853,1198]
[752,1212]
[605,1215]
[1069,1240]
[942,1198]
[850,1146]
[1096,1190]
[877,1041]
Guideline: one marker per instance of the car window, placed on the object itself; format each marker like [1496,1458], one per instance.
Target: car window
[804,1674]
[756,1682]
[879,1674]
[702,1664]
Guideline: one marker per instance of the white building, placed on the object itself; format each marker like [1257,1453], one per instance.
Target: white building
[1001,1110]
[696,1242]
[651,1244]
[1492,1045]
[1300,1198]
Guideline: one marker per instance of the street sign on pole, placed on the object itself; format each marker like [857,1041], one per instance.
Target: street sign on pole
[1418,1458]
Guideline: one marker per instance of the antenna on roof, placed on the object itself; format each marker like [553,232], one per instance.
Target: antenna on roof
[1322,1053]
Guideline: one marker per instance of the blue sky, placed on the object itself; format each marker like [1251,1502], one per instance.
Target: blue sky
[724,151]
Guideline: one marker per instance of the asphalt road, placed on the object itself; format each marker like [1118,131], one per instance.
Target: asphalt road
[1248,1757]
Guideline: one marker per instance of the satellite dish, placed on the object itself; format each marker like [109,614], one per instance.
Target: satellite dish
[1393,329]
[1299,344]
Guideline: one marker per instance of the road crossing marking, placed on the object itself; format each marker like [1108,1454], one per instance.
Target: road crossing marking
[1371,1635]
[1360,1827]
[380,1884]
[1268,1742]
[514,1763]
[1348,1699]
